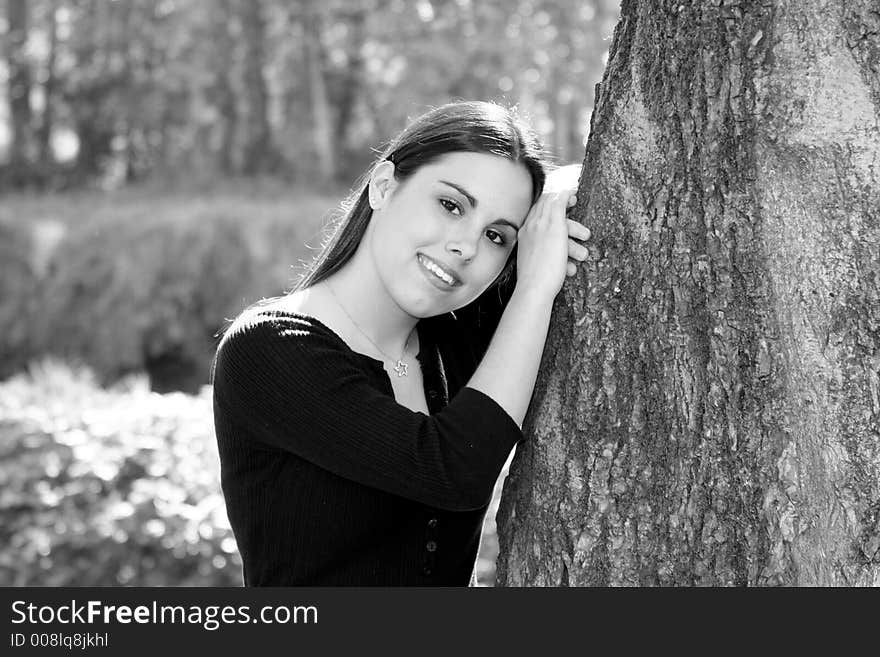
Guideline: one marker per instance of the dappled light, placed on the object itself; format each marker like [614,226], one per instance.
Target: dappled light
[119,486]
[113,93]
[109,487]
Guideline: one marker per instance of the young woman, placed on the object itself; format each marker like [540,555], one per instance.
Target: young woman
[363,418]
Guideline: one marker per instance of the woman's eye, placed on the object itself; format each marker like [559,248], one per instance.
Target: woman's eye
[450,206]
[496,237]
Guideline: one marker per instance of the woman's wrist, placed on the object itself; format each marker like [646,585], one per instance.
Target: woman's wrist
[532,296]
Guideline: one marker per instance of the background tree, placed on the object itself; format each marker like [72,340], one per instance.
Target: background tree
[19,95]
[45,156]
[708,410]
[259,152]
[314,53]
[222,95]
[139,89]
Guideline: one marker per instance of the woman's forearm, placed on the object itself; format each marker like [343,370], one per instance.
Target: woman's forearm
[509,368]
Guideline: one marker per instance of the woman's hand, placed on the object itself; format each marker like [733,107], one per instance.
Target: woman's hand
[547,244]
[548,247]
[576,232]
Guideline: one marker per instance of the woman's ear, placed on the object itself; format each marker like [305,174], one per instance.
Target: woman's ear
[382,183]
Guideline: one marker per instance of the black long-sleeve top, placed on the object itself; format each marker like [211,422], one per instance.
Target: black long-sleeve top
[328,480]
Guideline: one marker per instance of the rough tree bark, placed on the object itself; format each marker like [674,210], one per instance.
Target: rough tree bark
[708,409]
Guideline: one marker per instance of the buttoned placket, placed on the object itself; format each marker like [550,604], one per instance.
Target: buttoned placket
[437,397]
[429,563]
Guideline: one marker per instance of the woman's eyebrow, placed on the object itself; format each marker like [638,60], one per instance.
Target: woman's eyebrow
[473,202]
[462,191]
[506,222]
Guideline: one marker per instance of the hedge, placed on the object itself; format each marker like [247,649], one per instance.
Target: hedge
[109,487]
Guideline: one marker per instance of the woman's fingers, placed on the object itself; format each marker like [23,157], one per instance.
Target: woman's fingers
[576,251]
[548,252]
[578,231]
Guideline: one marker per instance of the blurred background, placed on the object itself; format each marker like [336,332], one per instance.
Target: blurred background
[165,163]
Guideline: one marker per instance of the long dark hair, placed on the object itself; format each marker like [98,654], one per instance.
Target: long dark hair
[472,126]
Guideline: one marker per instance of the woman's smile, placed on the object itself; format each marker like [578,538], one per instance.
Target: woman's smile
[438,275]
[459,215]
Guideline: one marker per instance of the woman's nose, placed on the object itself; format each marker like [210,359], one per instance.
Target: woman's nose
[462,246]
[464,241]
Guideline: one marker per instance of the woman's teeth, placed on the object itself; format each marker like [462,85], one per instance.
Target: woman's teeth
[446,278]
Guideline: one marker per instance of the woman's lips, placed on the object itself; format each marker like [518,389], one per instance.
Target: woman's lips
[433,278]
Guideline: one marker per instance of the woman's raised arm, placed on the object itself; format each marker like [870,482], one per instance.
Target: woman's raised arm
[546,243]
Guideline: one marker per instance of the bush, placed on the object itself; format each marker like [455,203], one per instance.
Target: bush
[145,296]
[109,487]
[138,285]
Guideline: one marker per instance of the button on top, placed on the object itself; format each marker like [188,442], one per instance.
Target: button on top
[432,394]
[432,523]
[431,546]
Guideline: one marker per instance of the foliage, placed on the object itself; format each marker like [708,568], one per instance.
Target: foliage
[109,487]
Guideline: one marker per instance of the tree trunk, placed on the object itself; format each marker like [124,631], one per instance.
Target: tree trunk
[50,87]
[259,154]
[708,410]
[17,18]
[220,93]
[351,82]
[87,95]
[321,113]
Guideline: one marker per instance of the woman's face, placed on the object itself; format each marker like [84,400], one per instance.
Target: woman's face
[442,236]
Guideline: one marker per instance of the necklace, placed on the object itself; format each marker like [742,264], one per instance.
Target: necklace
[400,367]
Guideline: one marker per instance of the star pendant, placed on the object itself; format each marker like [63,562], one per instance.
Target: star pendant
[400,368]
